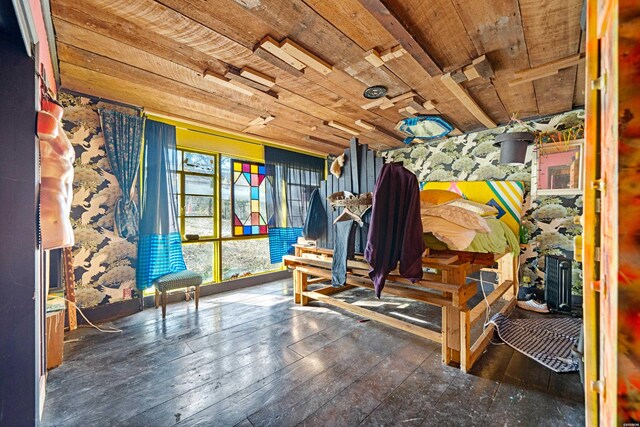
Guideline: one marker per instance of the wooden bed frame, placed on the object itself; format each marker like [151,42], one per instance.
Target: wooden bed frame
[446,288]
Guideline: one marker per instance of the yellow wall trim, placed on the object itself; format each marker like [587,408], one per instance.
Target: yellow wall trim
[222,141]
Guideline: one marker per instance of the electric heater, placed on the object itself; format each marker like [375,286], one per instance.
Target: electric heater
[557,288]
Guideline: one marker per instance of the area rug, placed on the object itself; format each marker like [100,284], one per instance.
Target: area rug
[547,341]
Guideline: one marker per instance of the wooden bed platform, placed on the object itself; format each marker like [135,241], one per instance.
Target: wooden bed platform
[446,287]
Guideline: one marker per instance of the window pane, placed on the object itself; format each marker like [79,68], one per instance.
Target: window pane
[199,258]
[200,226]
[196,184]
[295,192]
[198,206]
[248,195]
[179,154]
[240,257]
[225,197]
[177,192]
[242,202]
[201,163]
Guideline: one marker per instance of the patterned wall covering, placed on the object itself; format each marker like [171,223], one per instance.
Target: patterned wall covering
[472,157]
[104,263]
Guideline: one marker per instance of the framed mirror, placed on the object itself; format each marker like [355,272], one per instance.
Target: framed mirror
[557,169]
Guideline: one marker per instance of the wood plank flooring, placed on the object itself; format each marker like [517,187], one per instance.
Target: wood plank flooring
[251,358]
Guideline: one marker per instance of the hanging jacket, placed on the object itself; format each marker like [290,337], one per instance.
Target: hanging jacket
[395,229]
[315,223]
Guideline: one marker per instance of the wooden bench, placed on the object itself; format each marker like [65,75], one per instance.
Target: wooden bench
[446,287]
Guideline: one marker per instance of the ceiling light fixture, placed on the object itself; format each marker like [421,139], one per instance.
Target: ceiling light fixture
[375,92]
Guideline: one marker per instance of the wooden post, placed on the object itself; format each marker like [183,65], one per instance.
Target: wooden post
[451,315]
[197,293]
[157,298]
[297,280]
[465,341]
[446,356]
[304,300]
[69,288]
[508,270]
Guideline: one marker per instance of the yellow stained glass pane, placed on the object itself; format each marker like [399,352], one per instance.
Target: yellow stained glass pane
[254,168]
[255,206]
[237,166]
[238,231]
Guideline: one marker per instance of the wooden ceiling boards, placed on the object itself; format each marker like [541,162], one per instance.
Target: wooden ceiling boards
[304,63]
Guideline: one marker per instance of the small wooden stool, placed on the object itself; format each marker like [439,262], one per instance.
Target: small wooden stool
[179,280]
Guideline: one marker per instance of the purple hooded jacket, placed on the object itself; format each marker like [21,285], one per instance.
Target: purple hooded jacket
[395,229]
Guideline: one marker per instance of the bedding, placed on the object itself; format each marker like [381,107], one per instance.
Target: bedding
[437,197]
[479,208]
[499,240]
[458,215]
[505,196]
[455,236]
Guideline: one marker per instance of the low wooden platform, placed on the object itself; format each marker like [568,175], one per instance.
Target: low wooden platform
[445,285]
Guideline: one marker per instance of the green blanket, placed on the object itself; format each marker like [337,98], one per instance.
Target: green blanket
[498,241]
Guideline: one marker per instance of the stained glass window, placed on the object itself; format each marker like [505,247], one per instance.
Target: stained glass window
[248,199]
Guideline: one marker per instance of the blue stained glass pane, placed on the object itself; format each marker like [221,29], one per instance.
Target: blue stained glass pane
[261,170]
[255,194]
[247,175]
[247,230]
[256,229]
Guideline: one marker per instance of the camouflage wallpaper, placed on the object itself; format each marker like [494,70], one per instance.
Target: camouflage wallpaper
[472,157]
[104,264]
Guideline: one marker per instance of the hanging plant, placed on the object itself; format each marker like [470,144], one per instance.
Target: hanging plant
[564,135]
[553,137]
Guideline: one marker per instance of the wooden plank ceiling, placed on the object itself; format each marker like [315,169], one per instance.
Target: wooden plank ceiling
[197,60]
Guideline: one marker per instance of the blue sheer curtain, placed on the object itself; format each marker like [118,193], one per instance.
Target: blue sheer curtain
[291,178]
[122,142]
[159,244]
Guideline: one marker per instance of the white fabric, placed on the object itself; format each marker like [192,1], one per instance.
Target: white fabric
[453,235]
[479,208]
[461,216]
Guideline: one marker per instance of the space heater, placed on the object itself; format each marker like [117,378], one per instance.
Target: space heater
[557,288]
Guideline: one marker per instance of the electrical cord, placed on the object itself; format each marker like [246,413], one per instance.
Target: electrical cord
[110,331]
[487,317]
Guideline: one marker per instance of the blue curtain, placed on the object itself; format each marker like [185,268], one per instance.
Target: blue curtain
[291,178]
[122,142]
[160,243]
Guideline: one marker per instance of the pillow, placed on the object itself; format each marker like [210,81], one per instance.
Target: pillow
[461,216]
[437,197]
[479,208]
[456,237]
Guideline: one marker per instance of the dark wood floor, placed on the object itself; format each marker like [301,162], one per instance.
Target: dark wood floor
[251,358]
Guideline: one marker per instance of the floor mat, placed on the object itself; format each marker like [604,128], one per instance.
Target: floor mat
[547,341]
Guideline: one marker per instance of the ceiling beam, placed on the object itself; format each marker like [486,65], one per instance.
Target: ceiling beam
[546,70]
[315,139]
[397,30]
[470,104]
